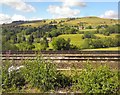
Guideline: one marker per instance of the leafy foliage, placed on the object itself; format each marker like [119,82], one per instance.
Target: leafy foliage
[98,80]
[100,43]
[40,74]
[88,35]
[9,46]
[61,44]
[44,75]
[25,46]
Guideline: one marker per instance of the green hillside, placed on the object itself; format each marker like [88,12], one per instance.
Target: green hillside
[61,34]
[93,21]
[76,39]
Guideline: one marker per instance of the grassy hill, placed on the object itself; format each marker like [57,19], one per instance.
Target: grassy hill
[93,21]
[72,28]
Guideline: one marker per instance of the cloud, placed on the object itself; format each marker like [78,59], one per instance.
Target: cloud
[110,14]
[66,9]
[18,5]
[16,17]
[73,3]
[4,18]
[62,11]
[35,18]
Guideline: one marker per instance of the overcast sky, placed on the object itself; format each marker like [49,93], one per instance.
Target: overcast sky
[12,10]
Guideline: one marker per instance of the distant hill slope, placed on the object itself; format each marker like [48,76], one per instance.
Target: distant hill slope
[86,21]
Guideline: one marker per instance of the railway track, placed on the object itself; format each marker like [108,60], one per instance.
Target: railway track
[63,56]
[62,52]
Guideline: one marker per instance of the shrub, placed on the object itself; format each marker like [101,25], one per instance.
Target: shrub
[63,81]
[40,74]
[37,73]
[99,80]
[61,44]
[88,35]
[89,27]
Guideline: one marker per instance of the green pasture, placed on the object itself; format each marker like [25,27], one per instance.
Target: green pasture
[110,48]
[93,21]
[76,39]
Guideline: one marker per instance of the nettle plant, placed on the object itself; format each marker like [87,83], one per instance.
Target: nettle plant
[96,80]
[40,74]
[36,73]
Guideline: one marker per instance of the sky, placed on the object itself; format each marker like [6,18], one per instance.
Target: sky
[14,10]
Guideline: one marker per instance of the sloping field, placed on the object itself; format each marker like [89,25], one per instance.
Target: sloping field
[76,39]
[94,21]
